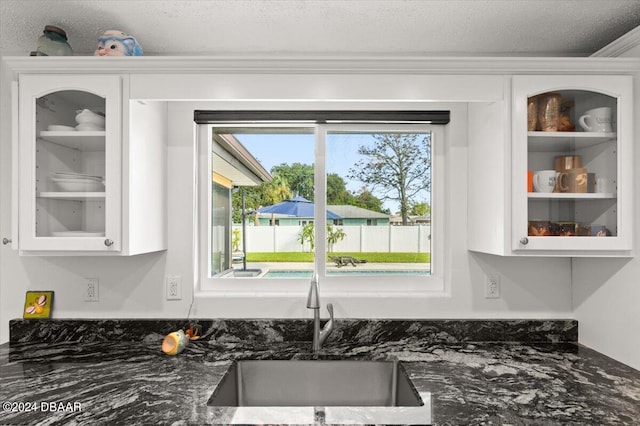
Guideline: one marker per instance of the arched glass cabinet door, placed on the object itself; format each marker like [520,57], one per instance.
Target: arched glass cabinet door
[572,165]
[70,163]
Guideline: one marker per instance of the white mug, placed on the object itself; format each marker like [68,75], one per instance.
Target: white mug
[597,120]
[605,185]
[544,180]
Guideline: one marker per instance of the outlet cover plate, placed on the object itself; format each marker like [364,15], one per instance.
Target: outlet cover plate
[91,290]
[492,287]
[173,287]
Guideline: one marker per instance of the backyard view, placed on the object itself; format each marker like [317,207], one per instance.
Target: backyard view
[377,203]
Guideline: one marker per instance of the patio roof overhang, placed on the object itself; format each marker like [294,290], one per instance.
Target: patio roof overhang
[235,164]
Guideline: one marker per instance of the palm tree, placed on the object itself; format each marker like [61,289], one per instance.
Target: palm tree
[307,234]
[334,235]
[277,190]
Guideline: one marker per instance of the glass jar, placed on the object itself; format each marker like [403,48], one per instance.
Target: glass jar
[549,112]
[532,114]
[53,42]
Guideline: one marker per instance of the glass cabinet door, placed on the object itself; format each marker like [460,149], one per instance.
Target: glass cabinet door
[572,164]
[70,163]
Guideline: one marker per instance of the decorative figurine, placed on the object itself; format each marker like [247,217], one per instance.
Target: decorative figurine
[174,343]
[117,43]
[53,42]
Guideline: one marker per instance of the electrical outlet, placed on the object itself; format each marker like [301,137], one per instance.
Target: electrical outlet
[492,287]
[91,293]
[173,287]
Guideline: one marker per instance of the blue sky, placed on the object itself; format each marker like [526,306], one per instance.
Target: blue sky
[342,153]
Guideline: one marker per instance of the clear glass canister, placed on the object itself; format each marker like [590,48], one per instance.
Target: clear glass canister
[549,112]
[532,114]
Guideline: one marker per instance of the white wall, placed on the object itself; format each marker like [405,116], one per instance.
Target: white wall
[606,293]
[133,287]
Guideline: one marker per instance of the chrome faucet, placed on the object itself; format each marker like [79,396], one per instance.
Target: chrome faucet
[313,302]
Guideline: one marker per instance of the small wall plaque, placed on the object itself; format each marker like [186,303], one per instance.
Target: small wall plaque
[38,304]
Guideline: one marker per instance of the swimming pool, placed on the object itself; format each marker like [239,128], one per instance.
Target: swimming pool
[293,273]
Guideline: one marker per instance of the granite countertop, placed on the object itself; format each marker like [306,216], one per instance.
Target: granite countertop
[86,372]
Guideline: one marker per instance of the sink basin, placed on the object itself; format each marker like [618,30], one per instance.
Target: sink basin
[312,383]
[318,392]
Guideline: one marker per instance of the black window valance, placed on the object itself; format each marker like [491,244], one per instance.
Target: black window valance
[429,117]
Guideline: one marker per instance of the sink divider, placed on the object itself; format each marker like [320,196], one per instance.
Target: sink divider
[394,383]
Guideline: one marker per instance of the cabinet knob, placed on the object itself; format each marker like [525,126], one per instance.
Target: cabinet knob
[524,241]
[108,242]
[6,241]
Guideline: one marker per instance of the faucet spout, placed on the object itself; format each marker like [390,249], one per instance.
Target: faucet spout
[313,300]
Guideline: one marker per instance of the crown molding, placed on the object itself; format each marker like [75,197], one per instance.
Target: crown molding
[319,64]
[621,45]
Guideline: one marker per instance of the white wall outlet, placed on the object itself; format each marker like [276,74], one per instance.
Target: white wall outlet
[91,287]
[492,287]
[174,287]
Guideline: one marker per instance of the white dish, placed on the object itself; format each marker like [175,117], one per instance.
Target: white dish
[76,234]
[86,116]
[89,128]
[60,128]
[68,175]
[79,185]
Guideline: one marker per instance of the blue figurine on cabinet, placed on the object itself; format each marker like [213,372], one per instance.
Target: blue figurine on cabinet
[117,43]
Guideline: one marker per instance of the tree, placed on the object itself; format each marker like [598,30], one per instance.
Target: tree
[337,193]
[235,239]
[367,200]
[307,233]
[397,166]
[253,196]
[420,209]
[277,190]
[265,194]
[298,176]
[334,234]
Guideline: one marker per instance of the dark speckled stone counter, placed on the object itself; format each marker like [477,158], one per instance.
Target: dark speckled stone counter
[478,372]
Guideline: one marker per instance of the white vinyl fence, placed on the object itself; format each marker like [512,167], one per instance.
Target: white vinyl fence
[362,238]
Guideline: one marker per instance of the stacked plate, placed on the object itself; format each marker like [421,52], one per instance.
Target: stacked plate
[60,128]
[89,121]
[77,182]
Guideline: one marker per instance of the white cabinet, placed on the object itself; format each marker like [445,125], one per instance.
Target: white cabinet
[73,179]
[571,165]
[508,142]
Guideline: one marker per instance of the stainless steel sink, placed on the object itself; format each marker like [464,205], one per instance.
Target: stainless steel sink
[296,383]
[318,392]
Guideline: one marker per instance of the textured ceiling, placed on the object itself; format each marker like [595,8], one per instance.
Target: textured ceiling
[431,27]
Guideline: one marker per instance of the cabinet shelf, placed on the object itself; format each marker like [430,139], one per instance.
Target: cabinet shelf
[82,141]
[567,141]
[570,196]
[73,196]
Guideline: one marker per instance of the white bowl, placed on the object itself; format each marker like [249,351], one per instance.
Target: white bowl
[86,116]
[79,185]
[60,128]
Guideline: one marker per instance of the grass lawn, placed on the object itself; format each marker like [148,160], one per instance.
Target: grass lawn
[369,257]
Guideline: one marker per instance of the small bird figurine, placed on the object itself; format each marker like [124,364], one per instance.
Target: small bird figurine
[117,43]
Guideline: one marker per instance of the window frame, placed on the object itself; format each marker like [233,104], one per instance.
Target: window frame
[387,285]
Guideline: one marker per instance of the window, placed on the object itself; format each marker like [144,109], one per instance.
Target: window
[352,202]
